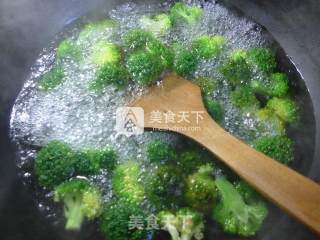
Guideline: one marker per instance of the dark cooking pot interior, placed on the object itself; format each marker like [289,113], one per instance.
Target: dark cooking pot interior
[28,26]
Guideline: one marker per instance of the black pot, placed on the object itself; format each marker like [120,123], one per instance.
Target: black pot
[28,26]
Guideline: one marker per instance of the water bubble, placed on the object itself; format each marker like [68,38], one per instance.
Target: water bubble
[83,119]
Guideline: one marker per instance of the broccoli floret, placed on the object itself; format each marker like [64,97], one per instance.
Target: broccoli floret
[137,40]
[280,148]
[206,85]
[277,86]
[285,108]
[51,79]
[163,52]
[160,152]
[239,55]
[208,47]
[181,13]
[115,219]
[269,123]
[192,224]
[248,193]
[54,164]
[186,224]
[145,67]
[190,161]
[234,214]
[280,83]
[185,61]
[164,185]
[264,59]
[90,162]
[236,69]
[126,182]
[110,74]
[104,52]
[159,24]
[244,98]
[81,201]
[142,41]
[97,31]
[201,189]
[68,49]
[215,109]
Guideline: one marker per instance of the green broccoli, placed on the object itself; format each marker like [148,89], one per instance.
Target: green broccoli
[285,108]
[248,194]
[192,224]
[115,221]
[51,79]
[280,148]
[55,163]
[201,189]
[244,98]
[234,214]
[93,32]
[164,185]
[263,58]
[189,161]
[208,47]
[281,84]
[181,13]
[236,69]
[145,67]
[90,162]
[170,223]
[206,85]
[69,49]
[162,51]
[185,61]
[215,109]
[239,55]
[104,52]
[81,201]
[277,86]
[159,24]
[126,182]
[159,152]
[143,41]
[110,74]
[137,40]
[186,224]
[269,122]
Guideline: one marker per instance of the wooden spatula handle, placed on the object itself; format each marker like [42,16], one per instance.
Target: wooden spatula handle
[298,195]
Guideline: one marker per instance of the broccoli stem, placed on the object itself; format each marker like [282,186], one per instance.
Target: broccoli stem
[172,231]
[188,236]
[187,230]
[232,197]
[185,237]
[73,214]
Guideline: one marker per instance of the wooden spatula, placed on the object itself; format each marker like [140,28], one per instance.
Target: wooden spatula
[176,105]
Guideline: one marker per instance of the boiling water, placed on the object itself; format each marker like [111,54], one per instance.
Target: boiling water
[72,114]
